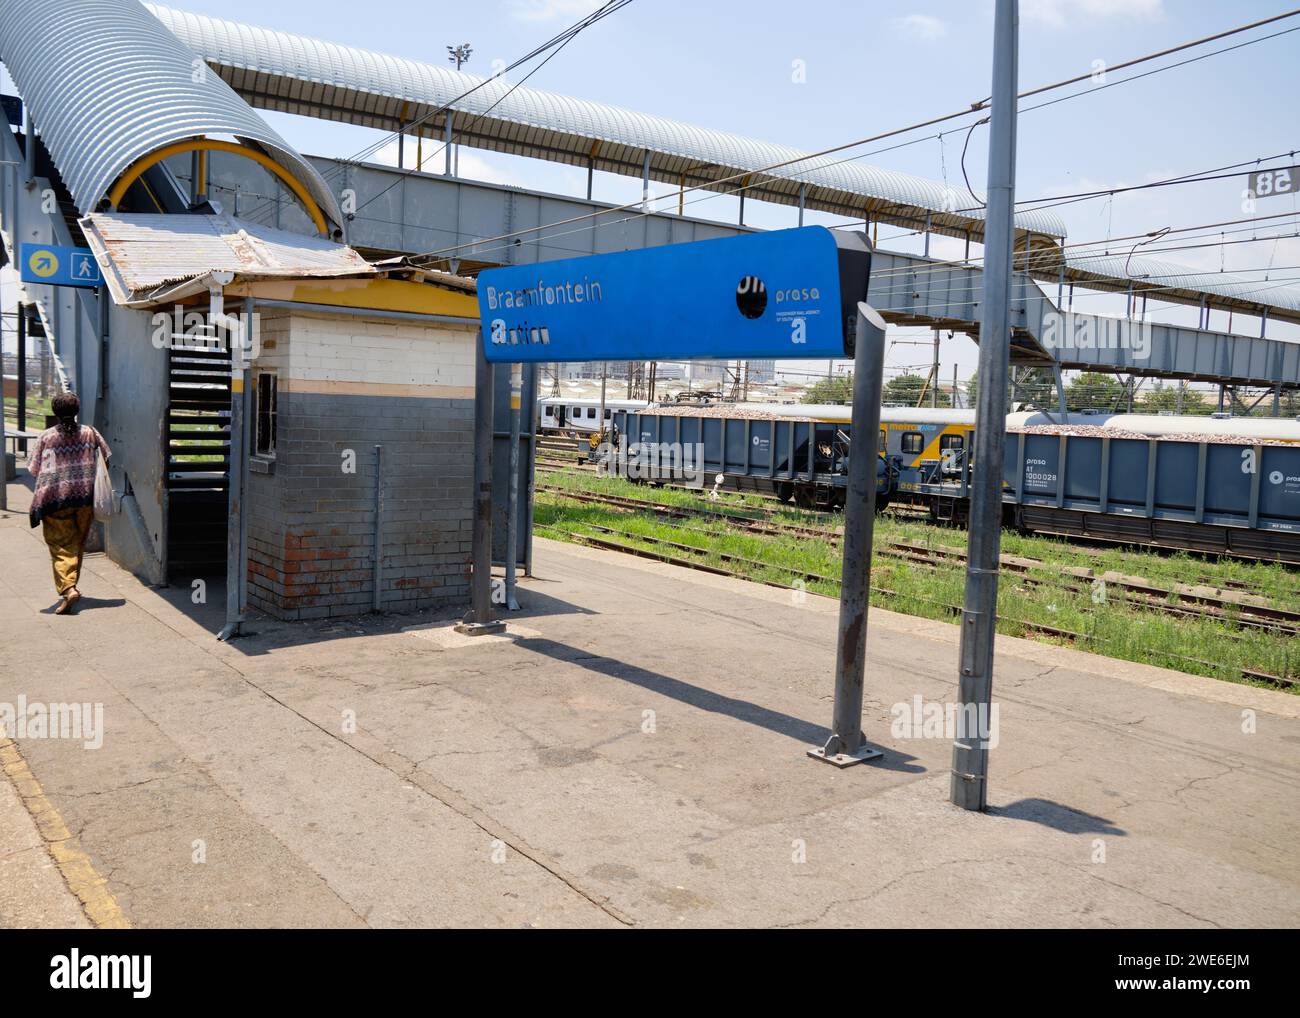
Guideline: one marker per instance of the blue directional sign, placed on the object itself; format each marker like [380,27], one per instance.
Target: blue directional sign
[762,295]
[59,266]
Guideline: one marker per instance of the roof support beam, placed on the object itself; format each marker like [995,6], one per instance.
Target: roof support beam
[136,169]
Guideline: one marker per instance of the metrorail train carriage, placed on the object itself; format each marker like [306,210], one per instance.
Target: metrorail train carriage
[574,417]
[1209,484]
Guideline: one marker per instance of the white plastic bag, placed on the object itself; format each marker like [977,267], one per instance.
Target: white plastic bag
[105,502]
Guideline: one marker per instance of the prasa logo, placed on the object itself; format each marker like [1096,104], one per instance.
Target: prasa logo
[795,293]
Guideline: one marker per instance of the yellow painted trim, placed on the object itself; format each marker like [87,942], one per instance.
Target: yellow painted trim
[366,293]
[138,167]
[97,901]
[335,387]
[931,450]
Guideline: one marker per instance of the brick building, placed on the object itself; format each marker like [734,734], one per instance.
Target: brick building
[328,387]
[352,470]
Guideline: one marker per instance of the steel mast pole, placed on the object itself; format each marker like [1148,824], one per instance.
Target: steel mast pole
[512,503]
[479,620]
[979,616]
[846,745]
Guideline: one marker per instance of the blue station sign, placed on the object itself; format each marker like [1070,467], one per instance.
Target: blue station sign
[762,295]
[59,266]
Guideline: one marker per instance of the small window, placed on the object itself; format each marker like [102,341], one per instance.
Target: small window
[882,440]
[591,412]
[951,442]
[267,398]
[913,442]
[609,414]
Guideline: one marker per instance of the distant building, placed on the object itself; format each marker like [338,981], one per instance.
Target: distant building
[762,372]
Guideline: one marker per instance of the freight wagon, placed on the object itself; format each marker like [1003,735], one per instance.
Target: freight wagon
[796,452]
[1220,485]
[1226,486]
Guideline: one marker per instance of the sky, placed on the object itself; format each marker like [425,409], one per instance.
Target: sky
[823,72]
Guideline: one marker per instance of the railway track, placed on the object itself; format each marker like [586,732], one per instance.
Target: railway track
[749,524]
[1182,602]
[672,552]
[1077,581]
[1233,613]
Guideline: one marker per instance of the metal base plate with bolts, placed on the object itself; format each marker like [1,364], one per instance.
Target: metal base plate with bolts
[481,628]
[830,753]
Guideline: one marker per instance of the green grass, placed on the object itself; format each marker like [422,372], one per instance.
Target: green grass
[1120,627]
[37,408]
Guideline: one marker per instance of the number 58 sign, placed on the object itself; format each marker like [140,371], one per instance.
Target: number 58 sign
[1266,182]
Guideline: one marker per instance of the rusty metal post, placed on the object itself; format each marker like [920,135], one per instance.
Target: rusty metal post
[846,745]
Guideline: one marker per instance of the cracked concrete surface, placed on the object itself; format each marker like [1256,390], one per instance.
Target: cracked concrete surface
[636,758]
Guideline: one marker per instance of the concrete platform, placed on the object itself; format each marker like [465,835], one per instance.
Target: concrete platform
[633,755]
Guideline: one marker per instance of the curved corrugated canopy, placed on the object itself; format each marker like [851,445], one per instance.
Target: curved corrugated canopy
[295,74]
[1114,272]
[107,84]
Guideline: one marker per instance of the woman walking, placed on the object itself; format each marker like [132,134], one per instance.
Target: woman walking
[63,461]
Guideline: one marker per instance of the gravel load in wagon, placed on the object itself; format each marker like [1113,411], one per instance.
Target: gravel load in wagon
[735,411]
[1096,431]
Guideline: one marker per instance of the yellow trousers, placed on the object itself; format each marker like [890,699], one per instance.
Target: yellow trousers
[65,532]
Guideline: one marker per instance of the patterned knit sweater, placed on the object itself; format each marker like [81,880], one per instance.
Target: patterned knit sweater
[64,468]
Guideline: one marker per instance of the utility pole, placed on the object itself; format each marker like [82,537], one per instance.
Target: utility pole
[979,616]
[604,379]
[22,375]
[934,370]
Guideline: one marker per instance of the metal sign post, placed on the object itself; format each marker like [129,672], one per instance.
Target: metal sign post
[512,503]
[237,342]
[970,756]
[783,294]
[847,745]
[479,620]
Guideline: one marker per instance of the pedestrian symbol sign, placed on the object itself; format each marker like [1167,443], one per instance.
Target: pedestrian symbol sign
[58,265]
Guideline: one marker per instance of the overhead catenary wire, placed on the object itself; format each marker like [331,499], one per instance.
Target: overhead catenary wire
[1053,259]
[443,252]
[1180,179]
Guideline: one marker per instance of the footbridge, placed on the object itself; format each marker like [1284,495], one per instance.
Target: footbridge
[146,129]
[406,213]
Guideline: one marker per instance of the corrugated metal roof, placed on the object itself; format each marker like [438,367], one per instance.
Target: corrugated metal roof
[296,74]
[141,253]
[1171,279]
[108,84]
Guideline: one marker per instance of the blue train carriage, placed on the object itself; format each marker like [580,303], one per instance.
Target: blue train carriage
[1215,485]
[797,452]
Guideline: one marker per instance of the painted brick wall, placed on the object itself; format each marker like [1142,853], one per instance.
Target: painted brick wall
[347,385]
